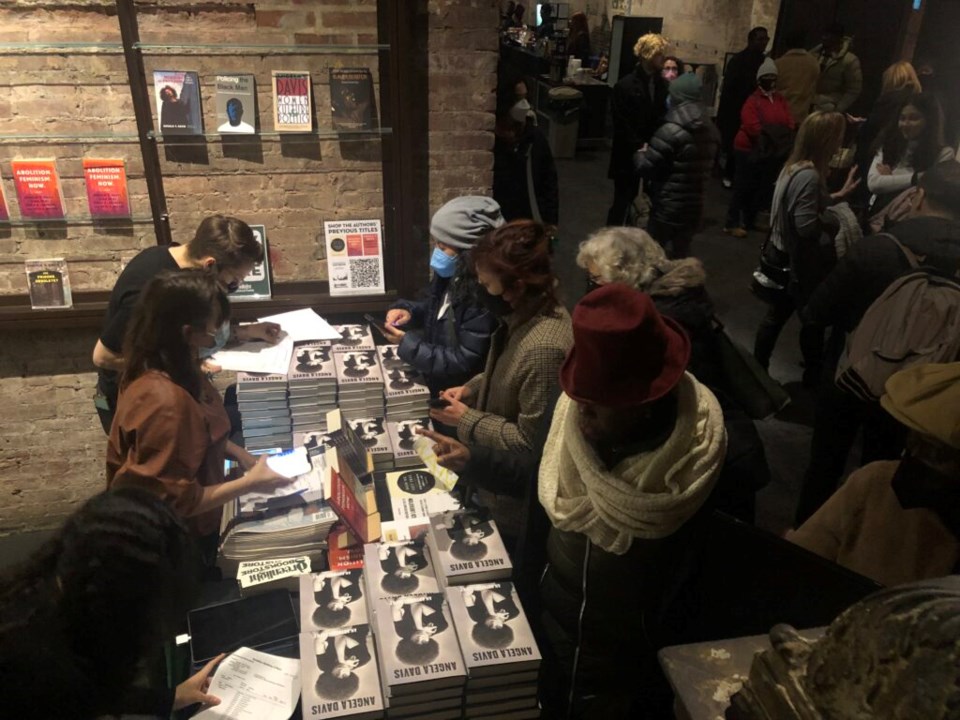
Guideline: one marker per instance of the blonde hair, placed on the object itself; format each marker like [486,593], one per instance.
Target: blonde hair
[819,138]
[899,76]
[624,254]
[649,45]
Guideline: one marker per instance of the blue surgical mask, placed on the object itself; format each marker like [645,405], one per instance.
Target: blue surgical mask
[219,341]
[442,264]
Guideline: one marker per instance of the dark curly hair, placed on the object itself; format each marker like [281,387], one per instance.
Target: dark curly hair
[488,637]
[335,688]
[411,653]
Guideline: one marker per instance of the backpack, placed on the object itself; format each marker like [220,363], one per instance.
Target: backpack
[915,321]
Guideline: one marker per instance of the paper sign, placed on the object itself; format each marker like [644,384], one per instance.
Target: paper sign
[354,257]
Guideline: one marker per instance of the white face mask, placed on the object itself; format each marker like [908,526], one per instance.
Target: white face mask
[518,113]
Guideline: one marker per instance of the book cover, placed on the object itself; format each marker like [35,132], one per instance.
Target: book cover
[38,189]
[415,494]
[354,337]
[106,182]
[236,104]
[4,209]
[493,630]
[350,508]
[178,102]
[344,551]
[338,674]
[256,285]
[292,104]
[357,367]
[403,435]
[315,441]
[372,432]
[403,382]
[417,644]
[399,568]
[332,599]
[352,100]
[467,544]
[49,284]
[312,364]
[390,357]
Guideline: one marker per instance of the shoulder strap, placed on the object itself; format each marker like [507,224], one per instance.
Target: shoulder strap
[911,256]
[782,211]
[531,189]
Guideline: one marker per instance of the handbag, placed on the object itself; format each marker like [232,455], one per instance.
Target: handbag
[771,277]
[746,382]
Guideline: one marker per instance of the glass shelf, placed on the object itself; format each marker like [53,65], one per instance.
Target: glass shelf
[79,220]
[272,136]
[85,139]
[240,49]
[41,48]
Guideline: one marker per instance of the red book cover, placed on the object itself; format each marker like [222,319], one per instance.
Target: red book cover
[106,188]
[38,189]
[349,509]
[341,554]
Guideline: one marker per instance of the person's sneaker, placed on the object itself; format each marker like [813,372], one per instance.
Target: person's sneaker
[727,183]
[737,232]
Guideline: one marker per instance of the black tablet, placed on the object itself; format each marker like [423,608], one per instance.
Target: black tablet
[252,622]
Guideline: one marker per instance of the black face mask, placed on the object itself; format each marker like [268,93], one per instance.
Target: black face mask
[233,287]
[494,303]
[768,85]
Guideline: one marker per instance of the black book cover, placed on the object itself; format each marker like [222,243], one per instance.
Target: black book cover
[353,106]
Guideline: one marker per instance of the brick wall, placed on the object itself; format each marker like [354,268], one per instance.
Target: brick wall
[51,445]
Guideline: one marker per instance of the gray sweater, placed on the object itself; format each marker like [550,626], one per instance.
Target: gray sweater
[800,193]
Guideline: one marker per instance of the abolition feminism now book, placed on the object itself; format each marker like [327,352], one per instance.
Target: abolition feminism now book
[38,189]
[292,106]
[352,99]
[4,210]
[236,104]
[178,102]
[49,284]
[106,182]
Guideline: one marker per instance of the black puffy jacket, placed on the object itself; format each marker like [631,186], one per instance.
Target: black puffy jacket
[677,163]
[447,350]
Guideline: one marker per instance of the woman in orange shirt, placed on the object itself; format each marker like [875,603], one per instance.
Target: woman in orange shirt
[170,434]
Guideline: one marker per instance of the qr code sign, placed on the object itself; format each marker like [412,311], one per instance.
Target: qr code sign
[364,273]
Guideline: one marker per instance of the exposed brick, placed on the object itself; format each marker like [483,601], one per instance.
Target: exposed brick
[342,19]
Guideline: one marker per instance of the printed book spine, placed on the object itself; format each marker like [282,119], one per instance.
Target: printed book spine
[350,509]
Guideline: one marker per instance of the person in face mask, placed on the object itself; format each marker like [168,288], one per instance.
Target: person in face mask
[524,173]
[898,522]
[445,335]
[761,146]
[501,407]
[170,433]
[223,244]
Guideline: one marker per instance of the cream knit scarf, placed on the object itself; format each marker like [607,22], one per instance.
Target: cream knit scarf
[647,496]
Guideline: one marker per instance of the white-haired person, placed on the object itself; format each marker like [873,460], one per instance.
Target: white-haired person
[637,104]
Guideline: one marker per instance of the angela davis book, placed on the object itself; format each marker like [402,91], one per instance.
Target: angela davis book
[399,568]
[417,644]
[354,337]
[372,432]
[49,284]
[236,104]
[467,547]
[352,99]
[332,599]
[493,630]
[357,367]
[178,102]
[311,364]
[292,104]
[338,674]
[403,435]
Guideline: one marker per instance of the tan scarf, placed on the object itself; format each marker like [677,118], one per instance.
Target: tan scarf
[646,496]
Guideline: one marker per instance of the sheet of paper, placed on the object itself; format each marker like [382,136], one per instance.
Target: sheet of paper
[258,357]
[303,324]
[310,480]
[253,685]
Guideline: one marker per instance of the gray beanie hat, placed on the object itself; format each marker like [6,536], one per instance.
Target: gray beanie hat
[768,67]
[463,221]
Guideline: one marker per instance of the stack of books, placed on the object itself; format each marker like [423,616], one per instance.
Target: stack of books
[353,337]
[360,383]
[405,393]
[467,547]
[373,434]
[403,434]
[499,651]
[338,658]
[312,382]
[264,411]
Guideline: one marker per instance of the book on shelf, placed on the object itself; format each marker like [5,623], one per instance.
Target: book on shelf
[178,102]
[39,193]
[257,576]
[467,547]
[339,674]
[331,599]
[493,630]
[256,285]
[399,568]
[106,183]
[292,101]
[352,99]
[418,647]
[49,284]
[236,104]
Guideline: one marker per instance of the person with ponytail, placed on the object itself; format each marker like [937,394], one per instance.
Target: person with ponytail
[82,619]
[170,433]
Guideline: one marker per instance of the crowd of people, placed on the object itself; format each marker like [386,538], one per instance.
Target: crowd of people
[600,439]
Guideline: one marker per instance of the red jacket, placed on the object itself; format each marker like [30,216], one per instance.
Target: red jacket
[757,111]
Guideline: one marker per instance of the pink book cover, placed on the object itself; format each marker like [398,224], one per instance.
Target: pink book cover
[38,189]
[106,182]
